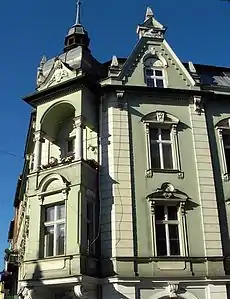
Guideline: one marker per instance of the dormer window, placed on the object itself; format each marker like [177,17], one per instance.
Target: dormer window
[154,77]
[154,72]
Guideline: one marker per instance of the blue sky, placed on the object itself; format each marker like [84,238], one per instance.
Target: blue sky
[198,30]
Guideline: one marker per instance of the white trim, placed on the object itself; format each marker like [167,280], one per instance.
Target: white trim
[57,281]
[192,282]
[165,294]
[222,152]
[177,60]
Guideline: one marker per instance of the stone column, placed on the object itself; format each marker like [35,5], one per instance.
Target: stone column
[78,145]
[37,150]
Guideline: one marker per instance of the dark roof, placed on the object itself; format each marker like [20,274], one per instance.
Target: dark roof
[211,75]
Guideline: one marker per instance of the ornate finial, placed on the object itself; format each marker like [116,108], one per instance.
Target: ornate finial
[78,15]
[149,13]
[114,62]
[43,61]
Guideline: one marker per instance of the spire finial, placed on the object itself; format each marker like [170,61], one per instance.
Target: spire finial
[78,15]
[149,13]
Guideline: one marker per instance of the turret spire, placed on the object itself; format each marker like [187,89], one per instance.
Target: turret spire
[77,35]
[78,14]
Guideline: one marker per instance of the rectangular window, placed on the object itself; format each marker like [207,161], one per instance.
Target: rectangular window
[167,231]
[54,230]
[226,140]
[161,148]
[154,78]
[70,145]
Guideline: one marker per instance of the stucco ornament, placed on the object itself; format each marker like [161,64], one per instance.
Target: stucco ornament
[40,75]
[160,116]
[173,290]
[153,33]
[26,294]
[80,291]
[59,72]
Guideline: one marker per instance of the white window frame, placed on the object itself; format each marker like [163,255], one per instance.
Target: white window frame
[55,223]
[223,128]
[166,224]
[181,219]
[154,77]
[159,141]
[163,120]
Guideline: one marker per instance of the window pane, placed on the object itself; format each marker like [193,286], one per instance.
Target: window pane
[161,239]
[155,156]
[49,214]
[226,139]
[49,241]
[70,145]
[167,156]
[172,213]
[159,83]
[174,240]
[154,134]
[159,213]
[60,239]
[158,73]
[227,158]
[149,82]
[149,72]
[165,134]
[60,212]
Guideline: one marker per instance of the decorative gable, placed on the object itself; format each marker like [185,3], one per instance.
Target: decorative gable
[59,73]
[152,51]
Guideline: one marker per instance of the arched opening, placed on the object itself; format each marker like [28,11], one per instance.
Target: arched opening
[58,130]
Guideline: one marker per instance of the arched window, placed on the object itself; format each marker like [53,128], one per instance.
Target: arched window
[155,75]
[223,128]
[162,142]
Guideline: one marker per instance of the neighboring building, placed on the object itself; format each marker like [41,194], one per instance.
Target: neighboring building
[125,188]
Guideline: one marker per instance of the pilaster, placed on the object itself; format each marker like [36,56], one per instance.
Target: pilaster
[117,223]
[205,180]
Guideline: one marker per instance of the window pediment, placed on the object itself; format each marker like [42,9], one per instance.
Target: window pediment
[159,117]
[167,192]
[224,124]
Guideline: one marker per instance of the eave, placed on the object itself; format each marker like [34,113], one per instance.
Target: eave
[157,90]
[85,80]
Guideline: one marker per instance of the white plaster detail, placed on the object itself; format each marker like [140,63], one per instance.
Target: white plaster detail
[114,62]
[165,294]
[197,104]
[38,137]
[160,116]
[173,289]
[59,72]
[78,126]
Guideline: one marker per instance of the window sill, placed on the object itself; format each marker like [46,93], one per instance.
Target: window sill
[150,172]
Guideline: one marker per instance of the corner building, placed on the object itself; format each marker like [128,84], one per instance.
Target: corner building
[125,188]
